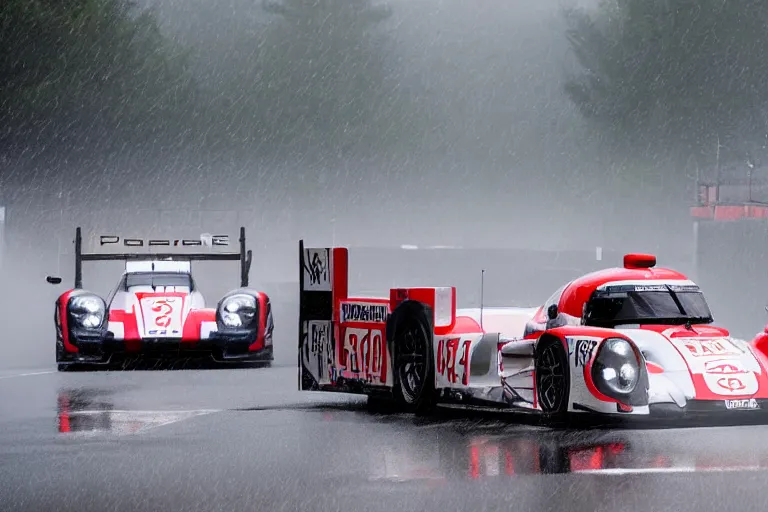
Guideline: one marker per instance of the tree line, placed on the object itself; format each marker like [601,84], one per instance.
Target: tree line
[682,82]
[100,75]
[678,81]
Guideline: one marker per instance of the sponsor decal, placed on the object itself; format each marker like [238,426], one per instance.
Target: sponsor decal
[369,312]
[649,288]
[729,377]
[363,355]
[724,367]
[163,308]
[625,288]
[448,366]
[218,240]
[732,384]
[317,349]
[747,403]
[161,315]
[716,347]
[583,352]
[317,272]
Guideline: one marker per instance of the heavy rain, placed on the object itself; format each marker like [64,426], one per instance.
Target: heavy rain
[504,147]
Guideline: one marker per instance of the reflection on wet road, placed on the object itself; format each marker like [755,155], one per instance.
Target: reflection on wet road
[455,453]
[89,411]
[246,440]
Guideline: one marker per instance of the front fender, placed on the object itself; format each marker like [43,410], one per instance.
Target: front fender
[583,345]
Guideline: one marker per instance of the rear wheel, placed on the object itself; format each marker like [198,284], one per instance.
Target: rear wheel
[552,378]
[413,363]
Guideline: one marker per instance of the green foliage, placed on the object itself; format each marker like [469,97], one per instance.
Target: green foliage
[99,75]
[72,69]
[674,75]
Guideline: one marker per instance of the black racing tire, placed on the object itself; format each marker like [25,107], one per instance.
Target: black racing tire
[413,362]
[553,379]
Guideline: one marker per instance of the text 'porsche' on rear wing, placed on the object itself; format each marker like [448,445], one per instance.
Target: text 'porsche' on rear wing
[243,256]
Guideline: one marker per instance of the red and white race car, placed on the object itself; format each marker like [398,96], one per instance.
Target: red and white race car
[636,340]
[156,308]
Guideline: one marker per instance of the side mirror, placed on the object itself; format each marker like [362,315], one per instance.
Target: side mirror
[53,280]
[552,312]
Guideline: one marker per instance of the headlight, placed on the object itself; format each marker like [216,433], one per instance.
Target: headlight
[617,366]
[238,310]
[87,310]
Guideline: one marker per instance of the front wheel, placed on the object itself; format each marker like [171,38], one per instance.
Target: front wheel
[553,385]
[414,368]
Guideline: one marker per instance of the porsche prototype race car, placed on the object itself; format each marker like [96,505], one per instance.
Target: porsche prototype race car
[156,308]
[630,341]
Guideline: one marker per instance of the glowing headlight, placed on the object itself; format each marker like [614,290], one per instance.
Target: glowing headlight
[619,347]
[87,310]
[91,321]
[618,366]
[238,310]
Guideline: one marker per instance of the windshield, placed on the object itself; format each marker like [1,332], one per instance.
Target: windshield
[158,279]
[662,304]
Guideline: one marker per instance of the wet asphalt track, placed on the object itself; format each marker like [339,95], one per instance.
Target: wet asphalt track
[245,439]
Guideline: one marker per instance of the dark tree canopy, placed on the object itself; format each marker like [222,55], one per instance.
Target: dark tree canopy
[98,75]
[675,76]
[75,72]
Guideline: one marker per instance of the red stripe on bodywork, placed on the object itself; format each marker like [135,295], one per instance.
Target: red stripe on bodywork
[696,331]
[466,325]
[259,343]
[340,269]
[653,367]
[760,344]
[144,295]
[64,321]
[131,335]
[192,330]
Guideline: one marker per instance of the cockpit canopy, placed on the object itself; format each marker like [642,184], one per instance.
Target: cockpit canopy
[157,279]
[667,303]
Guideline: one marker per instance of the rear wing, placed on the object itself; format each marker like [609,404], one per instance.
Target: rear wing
[243,256]
[343,337]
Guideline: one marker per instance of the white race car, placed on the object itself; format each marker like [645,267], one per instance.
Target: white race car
[630,341]
[156,308]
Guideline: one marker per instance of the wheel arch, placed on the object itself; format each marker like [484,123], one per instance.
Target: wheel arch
[407,310]
[545,339]
[549,336]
